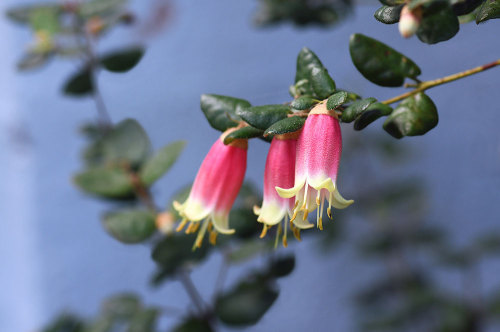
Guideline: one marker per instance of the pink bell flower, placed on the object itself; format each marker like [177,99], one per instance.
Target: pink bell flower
[279,172]
[214,190]
[318,155]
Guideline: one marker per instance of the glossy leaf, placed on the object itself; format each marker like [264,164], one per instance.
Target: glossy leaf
[288,125]
[312,78]
[388,14]
[123,60]
[80,84]
[220,111]
[336,100]
[105,182]
[130,226]
[245,304]
[303,103]
[144,321]
[159,164]
[245,132]
[490,9]
[380,63]
[414,116]
[262,117]
[438,25]
[356,108]
[465,7]
[371,114]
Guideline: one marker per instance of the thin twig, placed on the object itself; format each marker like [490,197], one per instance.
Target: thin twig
[192,292]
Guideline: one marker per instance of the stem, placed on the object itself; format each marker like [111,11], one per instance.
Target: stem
[221,277]
[420,87]
[191,290]
[143,193]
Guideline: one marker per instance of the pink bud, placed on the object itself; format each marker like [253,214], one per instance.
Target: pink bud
[409,21]
[318,155]
[214,190]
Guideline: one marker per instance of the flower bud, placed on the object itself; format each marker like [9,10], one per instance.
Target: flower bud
[409,21]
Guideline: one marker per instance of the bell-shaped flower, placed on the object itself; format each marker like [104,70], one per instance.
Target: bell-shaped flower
[214,190]
[409,21]
[319,147]
[279,172]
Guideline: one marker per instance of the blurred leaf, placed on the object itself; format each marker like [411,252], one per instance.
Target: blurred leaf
[310,70]
[248,250]
[144,320]
[127,143]
[356,108]
[303,103]
[414,116]
[181,195]
[262,117]
[288,125]
[65,323]
[392,2]
[130,226]
[33,60]
[388,14]
[488,243]
[245,132]
[438,25]
[220,111]
[101,324]
[371,114]
[100,7]
[123,60]
[464,7]
[380,63]
[159,164]
[193,324]
[245,304]
[455,258]
[336,100]
[45,18]
[80,84]
[23,13]
[282,266]
[122,306]
[490,9]
[105,182]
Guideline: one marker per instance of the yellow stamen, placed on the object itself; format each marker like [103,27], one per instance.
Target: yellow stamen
[213,237]
[295,212]
[296,233]
[193,227]
[320,223]
[329,212]
[278,233]
[264,231]
[285,242]
[306,213]
[201,234]
[181,225]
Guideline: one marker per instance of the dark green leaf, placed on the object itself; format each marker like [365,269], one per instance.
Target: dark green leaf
[336,100]
[121,306]
[288,125]
[220,111]
[380,63]
[388,14]
[356,108]
[193,324]
[303,103]
[438,25]
[126,143]
[311,77]
[414,116]
[322,84]
[244,221]
[123,60]
[245,132]
[490,9]
[65,323]
[105,182]
[465,7]
[144,321]
[79,84]
[456,258]
[159,164]
[488,243]
[130,226]
[245,304]
[282,266]
[371,114]
[262,117]
[392,2]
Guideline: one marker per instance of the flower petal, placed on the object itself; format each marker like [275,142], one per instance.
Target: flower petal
[289,193]
[340,202]
[221,223]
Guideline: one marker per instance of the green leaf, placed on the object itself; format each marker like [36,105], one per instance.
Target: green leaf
[336,100]
[100,7]
[356,108]
[220,111]
[245,132]
[488,243]
[127,143]
[105,182]
[159,164]
[45,19]
[262,117]
[414,116]
[282,266]
[303,103]
[490,9]
[380,63]
[288,125]
[248,250]
[80,84]
[388,14]
[465,8]
[244,221]
[24,13]
[311,77]
[65,323]
[130,226]
[371,114]
[193,324]
[121,306]
[144,321]
[33,60]
[392,2]
[123,60]
[245,304]
[438,24]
